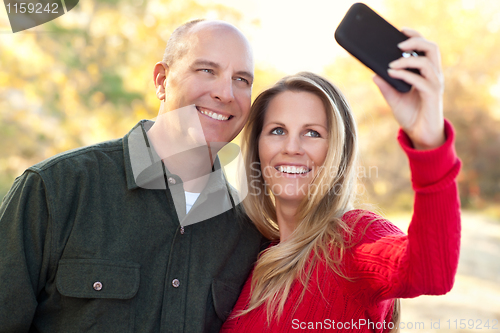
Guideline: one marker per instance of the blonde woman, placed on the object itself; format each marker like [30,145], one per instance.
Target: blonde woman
[331,267]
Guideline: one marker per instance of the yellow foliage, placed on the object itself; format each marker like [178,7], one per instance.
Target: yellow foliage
[93,81]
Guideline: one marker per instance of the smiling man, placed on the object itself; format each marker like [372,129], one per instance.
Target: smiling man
[212,70]
[96,239]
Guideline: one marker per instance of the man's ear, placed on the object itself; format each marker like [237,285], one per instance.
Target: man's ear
[160,74]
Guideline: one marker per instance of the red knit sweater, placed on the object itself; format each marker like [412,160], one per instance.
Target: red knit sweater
[386,263]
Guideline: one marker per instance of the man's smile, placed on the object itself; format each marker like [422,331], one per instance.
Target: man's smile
[213,114]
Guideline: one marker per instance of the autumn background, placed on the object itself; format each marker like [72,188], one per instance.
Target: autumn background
[87,77]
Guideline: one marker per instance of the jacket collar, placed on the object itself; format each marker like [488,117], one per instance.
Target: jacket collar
[144,168]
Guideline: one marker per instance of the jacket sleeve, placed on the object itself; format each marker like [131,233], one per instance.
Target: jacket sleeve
[24,217]
[391,265]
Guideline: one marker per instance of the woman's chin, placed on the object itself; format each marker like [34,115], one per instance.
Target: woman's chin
[290,193]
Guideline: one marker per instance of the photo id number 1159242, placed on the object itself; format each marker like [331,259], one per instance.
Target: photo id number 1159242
[477,324]
[32,8]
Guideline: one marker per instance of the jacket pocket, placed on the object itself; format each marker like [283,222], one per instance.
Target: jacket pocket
[225,296]
[97,295]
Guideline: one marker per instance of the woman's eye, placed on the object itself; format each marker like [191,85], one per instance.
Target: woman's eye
[313,134]
[278,131]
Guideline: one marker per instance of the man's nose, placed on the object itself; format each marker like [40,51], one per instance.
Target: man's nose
[223,90]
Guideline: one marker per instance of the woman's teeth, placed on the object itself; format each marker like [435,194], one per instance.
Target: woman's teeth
[292,169]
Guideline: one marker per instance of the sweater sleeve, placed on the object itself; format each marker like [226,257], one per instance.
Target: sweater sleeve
[387,264]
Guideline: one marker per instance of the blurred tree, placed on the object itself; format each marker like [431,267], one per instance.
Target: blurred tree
[87,78]
[467,34]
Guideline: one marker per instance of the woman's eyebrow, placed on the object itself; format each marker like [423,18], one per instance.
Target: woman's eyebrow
[313,124]
[283,125]
[274,123]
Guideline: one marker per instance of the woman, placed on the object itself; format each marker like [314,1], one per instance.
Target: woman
[331,267]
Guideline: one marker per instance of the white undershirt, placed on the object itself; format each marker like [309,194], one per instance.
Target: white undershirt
[190,199]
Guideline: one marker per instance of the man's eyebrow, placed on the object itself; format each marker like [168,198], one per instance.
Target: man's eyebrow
[208,63]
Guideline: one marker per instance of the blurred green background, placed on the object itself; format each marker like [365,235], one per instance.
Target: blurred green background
[87,77]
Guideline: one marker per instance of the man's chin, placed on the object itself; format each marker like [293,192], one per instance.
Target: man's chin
[216,145]
[216,139]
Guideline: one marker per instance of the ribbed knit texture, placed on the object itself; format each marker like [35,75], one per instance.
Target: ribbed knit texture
[384,264]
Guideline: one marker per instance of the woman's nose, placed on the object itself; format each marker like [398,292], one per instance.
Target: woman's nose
[293,146]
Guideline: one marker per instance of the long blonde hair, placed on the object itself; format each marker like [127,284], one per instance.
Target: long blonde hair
[321,228]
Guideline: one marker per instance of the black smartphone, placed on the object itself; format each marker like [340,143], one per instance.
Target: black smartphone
[373,41]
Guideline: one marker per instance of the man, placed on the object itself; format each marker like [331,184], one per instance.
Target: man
[92,241]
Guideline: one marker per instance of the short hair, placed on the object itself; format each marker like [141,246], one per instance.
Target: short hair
[176,45]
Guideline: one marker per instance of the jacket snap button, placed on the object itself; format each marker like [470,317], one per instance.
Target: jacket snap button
[171,180]
[175,283]
[97,286]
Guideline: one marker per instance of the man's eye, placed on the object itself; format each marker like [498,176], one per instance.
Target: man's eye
[313,134]
[278,131]
[207,70]
[242,79]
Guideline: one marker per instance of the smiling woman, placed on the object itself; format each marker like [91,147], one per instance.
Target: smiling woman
[330,264]
[302,134]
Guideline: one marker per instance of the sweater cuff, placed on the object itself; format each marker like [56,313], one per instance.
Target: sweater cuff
[428,167]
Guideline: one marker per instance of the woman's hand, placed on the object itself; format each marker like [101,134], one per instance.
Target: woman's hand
[420,111]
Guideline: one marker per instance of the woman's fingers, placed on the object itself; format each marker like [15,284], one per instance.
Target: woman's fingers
[431,78]
[418,112]
[430,49]
[428,72]
[410,32]
[419,82]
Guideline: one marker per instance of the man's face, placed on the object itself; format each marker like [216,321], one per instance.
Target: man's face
[216,76]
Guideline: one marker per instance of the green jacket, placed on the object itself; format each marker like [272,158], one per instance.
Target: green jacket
[84,249]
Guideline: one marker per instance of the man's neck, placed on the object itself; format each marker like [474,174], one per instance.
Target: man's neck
[193,164]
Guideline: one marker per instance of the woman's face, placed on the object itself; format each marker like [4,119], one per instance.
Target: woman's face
[293,143]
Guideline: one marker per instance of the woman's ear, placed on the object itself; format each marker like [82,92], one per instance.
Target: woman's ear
[160,74]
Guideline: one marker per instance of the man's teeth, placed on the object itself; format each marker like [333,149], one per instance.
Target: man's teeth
[213,114]
[292,169]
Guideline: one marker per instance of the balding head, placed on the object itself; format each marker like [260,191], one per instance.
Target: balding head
[180,41]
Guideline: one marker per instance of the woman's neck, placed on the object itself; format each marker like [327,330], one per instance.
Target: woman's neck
[286,212]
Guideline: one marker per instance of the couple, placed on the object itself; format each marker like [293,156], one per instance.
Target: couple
[85,248]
